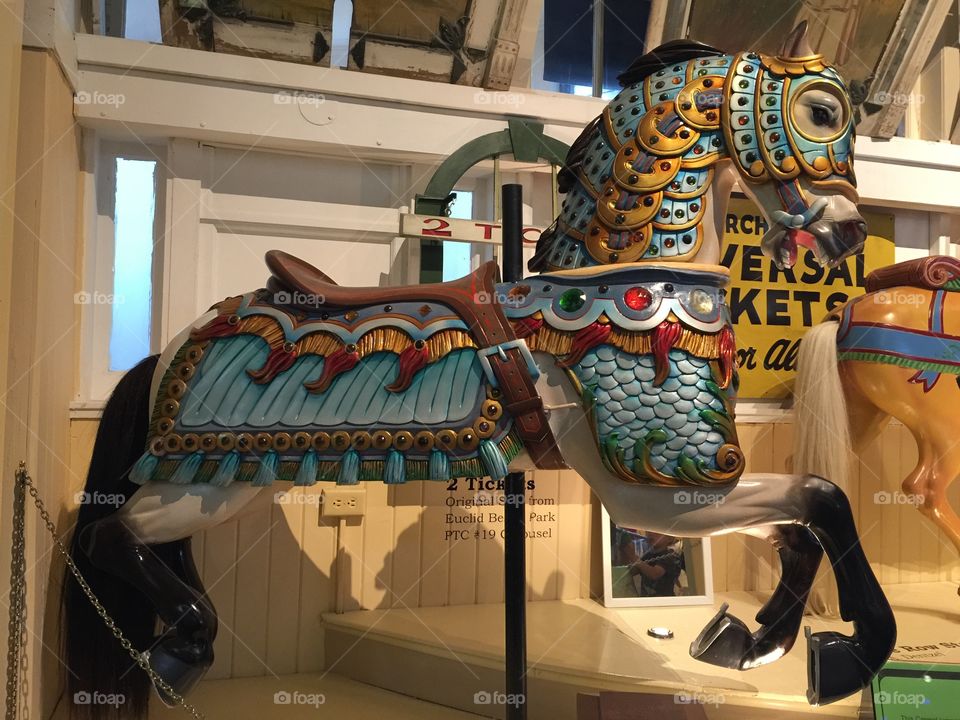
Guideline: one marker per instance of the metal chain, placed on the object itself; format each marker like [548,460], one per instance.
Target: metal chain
[16,627]
[18,609]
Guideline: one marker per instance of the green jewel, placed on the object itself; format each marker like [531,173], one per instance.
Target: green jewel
[572,300]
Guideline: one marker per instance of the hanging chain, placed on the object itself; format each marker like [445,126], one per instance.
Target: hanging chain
[16,654]
[17,626]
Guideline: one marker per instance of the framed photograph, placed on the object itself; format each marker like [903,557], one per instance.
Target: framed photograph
[645,568]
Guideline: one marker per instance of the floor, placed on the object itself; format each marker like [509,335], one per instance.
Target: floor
[298,697]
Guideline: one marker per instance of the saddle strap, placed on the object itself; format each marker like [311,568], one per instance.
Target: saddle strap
[509,366]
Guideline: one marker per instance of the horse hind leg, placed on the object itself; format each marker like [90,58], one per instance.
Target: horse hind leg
[146,543]
[927,486]
[727,642]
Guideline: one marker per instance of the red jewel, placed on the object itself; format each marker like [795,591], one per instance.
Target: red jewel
[697,150]
[743,119]
[637,298]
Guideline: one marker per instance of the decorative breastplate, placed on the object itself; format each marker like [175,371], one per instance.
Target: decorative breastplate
[652,352]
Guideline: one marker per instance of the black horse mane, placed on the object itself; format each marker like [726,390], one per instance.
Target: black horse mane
[670,53]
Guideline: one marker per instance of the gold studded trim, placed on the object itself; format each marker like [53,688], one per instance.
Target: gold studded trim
[793,66]
[328,470]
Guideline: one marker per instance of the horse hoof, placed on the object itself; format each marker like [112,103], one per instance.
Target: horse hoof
[725,641]
[181,676]
[836,667]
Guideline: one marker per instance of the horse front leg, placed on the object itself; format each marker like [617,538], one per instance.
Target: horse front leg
[838,665]
[728,642]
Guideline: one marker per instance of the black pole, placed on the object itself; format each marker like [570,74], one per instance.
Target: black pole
[514,544]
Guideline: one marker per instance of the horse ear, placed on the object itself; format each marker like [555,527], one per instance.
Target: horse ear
[796,44]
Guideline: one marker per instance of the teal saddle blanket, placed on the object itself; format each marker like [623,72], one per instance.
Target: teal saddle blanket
[266,392]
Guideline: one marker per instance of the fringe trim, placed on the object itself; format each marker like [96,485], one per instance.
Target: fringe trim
[349,470]
[560,343]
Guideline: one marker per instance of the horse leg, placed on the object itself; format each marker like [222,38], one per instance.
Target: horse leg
[727,642]
[935,472]
[133,544]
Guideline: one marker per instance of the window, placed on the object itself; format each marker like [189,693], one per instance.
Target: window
[456,255]
[120,308]
[134,215]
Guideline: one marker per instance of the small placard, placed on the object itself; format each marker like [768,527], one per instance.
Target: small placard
[917,691]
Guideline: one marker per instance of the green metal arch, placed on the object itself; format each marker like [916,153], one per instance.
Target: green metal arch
[522,139]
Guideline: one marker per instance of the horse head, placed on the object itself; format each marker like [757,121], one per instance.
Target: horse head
[648,180]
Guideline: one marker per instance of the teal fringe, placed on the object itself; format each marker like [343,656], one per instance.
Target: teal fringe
[268,470]
[187,469]
[307,472]
[395,469]
[143,469]
[439,466]
[349,468]
[493,460]
[226,470]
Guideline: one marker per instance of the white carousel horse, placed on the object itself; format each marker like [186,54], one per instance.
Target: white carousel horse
[616,360]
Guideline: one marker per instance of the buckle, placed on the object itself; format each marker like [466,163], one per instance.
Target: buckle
[501,351]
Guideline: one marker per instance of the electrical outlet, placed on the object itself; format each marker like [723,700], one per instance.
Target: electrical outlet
[343,502]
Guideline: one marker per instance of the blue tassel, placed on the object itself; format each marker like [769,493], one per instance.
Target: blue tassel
[439,466]
[268,470]
[187,469]
[226,470]
[349,468]
[144,467]
[307,473]
[395,469]
[493,460]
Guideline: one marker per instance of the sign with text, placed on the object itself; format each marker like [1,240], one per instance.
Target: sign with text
[772,309]
[445,228]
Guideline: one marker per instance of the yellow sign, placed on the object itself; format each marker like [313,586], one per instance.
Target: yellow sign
[773,308]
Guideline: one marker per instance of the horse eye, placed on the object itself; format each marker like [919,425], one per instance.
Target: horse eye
[821,115]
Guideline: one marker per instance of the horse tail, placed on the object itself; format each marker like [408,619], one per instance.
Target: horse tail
[95,660]
[822,432]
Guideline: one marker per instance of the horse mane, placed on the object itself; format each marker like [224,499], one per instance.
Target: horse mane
[670,53]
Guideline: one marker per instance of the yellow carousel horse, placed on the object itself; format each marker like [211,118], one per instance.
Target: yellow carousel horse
[893,352]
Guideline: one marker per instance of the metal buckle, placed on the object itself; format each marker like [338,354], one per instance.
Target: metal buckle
[501,350]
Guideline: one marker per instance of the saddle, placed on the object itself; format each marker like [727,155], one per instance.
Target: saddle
[474,299]
[929,273]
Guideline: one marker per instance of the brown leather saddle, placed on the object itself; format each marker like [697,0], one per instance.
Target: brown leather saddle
[474,299]
[930,273]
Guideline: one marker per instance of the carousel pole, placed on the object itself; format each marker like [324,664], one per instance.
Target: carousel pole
[514,545]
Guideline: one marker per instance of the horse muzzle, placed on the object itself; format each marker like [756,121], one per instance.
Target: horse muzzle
[831,241]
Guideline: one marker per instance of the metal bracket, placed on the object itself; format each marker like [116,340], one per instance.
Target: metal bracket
[501,350]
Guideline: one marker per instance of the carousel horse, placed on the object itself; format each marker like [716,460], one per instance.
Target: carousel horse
[881,355]
[616,359]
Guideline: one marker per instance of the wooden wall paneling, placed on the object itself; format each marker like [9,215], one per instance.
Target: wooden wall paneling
[349,566]
[286,532]
[317,586]
[573,537]
[378,535]
[407,501]
[490,558]
[434,547]
[462,579]
[544,573]
[893,513]
[252,602]
[871,481]
[220,575]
